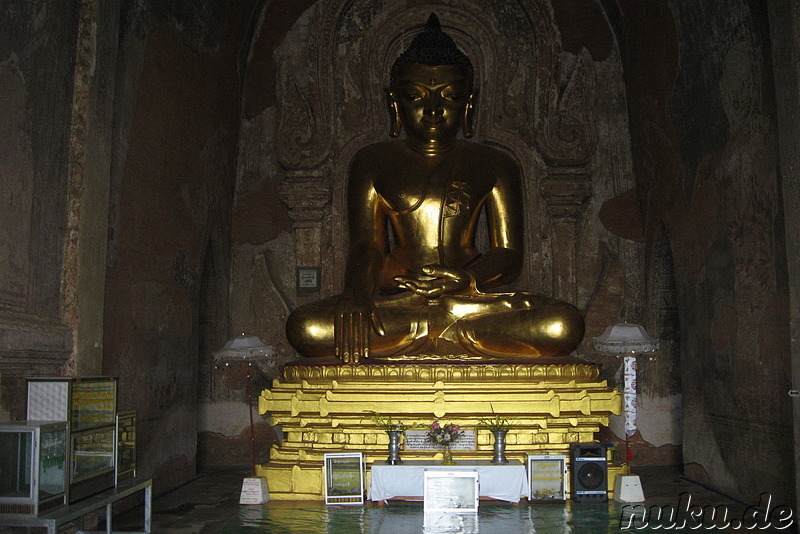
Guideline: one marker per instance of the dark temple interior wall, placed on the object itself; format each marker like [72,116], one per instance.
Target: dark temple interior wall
[635,268]
[134,132]
[261,248]
[171,197]
[700,89]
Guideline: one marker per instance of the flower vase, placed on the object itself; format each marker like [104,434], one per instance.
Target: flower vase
[394,447]
[499,447]
[447,456]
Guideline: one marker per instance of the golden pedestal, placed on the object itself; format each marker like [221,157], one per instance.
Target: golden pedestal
[321,409]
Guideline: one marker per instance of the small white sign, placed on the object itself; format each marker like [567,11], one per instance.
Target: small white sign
[307,278]
[417,440]
[254,491]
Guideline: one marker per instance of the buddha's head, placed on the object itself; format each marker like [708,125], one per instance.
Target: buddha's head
[430,93]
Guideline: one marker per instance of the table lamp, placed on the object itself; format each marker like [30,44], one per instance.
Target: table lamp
[628,341]
[245,351]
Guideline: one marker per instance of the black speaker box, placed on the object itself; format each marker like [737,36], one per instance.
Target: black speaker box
[589,475]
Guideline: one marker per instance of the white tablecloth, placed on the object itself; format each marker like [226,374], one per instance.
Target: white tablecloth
[505,482]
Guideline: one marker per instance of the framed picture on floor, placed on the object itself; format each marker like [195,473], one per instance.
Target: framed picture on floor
[344,478]
[450,491]
[548,477]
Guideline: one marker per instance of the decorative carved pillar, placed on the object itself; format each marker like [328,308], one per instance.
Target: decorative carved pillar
[568,141]
[307,195]
[565,189]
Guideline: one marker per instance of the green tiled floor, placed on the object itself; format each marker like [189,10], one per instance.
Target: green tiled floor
[410,519]
[209,505]
[298,518]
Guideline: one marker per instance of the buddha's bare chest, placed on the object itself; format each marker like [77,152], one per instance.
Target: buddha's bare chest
[411,189]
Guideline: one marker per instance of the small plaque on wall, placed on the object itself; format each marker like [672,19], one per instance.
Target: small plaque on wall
[417,440]
[308,280]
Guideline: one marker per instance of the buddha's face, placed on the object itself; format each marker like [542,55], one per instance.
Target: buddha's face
[432,101]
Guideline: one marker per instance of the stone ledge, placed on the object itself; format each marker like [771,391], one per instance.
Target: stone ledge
[34,334]
[569,370]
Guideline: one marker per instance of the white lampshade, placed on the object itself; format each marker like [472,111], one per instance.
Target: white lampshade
[625,338]
[244,348]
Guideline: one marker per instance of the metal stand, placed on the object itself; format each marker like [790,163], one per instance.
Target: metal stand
[51,521]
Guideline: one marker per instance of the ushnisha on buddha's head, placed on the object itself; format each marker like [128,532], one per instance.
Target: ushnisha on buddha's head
[430,92]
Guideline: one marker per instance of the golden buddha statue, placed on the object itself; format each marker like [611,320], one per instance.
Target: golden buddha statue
[429,295]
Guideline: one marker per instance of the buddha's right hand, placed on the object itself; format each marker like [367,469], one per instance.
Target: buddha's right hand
[438,280]
[355,315]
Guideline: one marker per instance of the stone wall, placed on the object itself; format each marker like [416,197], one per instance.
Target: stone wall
[784,27]
[261,259]
[35,122]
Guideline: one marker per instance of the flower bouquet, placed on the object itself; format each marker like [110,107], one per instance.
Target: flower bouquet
[387,423]
[444,436]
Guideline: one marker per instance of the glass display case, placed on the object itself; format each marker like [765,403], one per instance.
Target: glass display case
[33,466]
[92,462]
[84,402]
[126,446]
[89,406]
[548,477]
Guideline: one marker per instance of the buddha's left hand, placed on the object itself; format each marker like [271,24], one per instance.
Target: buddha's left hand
[437,280]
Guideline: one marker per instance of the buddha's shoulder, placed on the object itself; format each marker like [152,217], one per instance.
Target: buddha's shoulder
[376,152]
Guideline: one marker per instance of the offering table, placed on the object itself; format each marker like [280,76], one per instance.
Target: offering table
[505,482]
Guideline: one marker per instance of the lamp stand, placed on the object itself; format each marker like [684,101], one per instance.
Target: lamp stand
[254,489]
[628,487]
[247,349]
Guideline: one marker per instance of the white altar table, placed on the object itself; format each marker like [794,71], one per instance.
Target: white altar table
[505,482]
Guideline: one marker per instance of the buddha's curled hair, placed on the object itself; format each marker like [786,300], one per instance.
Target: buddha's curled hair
[432,47]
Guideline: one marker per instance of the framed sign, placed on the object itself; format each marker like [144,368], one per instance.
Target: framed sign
[548,476]
[344,478]
[308,280]
[448,522]
[450,491]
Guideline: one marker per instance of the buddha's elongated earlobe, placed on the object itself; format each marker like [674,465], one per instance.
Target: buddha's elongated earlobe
[469,114]
[394,114]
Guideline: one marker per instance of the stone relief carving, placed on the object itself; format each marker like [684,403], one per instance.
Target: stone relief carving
[304,95]
[30,344]
[16,195]
[567,135]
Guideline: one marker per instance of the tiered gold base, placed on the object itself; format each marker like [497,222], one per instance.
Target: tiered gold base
[321,409]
